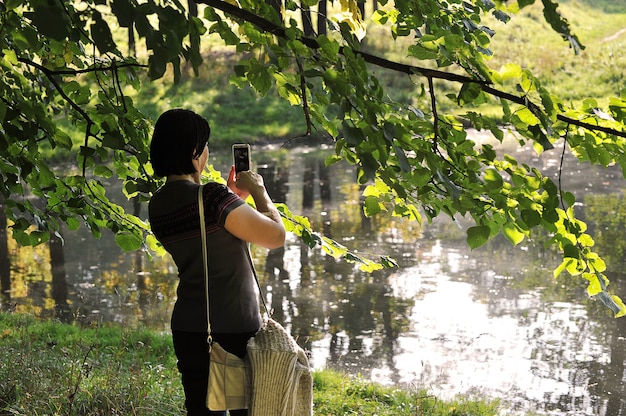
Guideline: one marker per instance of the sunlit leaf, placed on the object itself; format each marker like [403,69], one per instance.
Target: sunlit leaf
[586,240]
[350,14]
[493,179]
[512,233]
[561,267]
[620,305]
[594,287]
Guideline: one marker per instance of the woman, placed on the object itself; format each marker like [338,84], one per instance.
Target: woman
[179,152]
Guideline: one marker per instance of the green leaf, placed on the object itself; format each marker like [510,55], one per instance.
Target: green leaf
[478,236]
[469,93]
[72,223]
[540,137]
[123,10]
[12,4]
[371,206]
[560,25]
[571,251]
[63,139]
[259,77]
[157,64]
[353,135]
[531,218]
[128,241]
[113,140]
[568,199]
[402,159]
[51,20]
[101,34]
[421,52]
[501,16]
[329,47]
[103,171]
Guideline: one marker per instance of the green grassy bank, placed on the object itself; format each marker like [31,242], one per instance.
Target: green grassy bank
[50,368]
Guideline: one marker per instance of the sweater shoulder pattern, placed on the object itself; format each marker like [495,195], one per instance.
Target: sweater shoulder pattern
[183,221]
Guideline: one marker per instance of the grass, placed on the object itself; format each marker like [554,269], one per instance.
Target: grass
[51,368]
[596,72]
[339,394]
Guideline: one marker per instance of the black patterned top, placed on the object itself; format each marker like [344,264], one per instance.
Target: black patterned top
[175,221]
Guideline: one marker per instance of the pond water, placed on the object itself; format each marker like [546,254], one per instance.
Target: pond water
[492,322]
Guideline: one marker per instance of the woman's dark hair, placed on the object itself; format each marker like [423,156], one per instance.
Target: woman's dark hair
[179,136]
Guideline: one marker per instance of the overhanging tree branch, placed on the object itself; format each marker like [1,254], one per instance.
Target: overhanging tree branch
[82,71]
[51,77]
[312,43]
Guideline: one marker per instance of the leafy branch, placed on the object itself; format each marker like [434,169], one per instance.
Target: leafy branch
[301,227]
[51,75]
[279,31]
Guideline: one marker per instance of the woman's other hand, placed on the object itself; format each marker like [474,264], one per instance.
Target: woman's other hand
[231,182]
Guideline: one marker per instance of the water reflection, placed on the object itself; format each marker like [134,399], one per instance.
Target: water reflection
[491,322]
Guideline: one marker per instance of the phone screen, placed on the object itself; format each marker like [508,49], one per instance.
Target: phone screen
[241,157]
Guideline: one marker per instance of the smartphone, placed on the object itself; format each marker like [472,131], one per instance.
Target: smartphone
[241,157]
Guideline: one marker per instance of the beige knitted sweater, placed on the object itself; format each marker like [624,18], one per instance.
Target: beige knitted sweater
[280,377]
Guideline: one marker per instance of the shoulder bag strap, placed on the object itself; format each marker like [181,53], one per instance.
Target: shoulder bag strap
[267,311]
[205,260]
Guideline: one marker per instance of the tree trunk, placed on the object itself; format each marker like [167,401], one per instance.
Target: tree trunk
[132,50]
[59,280]
[321,17]
[193,8]
[5,264]
[307,22]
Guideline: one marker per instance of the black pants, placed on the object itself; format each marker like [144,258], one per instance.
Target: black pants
[193,364]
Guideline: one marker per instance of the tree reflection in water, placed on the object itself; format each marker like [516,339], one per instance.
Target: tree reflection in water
[490,322]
